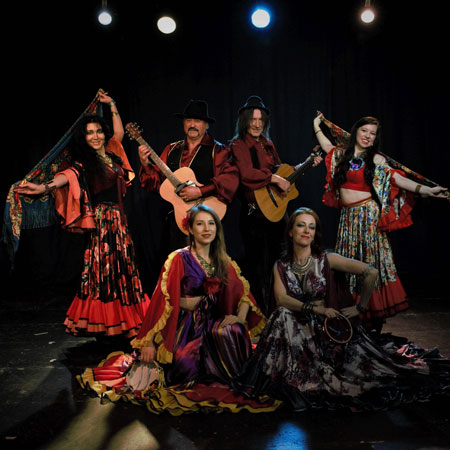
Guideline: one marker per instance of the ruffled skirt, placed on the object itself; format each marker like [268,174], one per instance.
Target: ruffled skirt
[359,238]
[110,300]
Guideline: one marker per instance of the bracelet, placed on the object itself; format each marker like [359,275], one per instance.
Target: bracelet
[112,103]
[318,131]
[114,113]
[360,308]
[308,308]
[418,188]
[47,187]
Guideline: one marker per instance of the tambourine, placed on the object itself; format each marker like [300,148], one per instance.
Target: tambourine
[338,329]
[145,377]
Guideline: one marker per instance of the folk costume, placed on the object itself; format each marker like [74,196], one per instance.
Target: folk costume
[199,357]
[110,300]
[363,227]
[296,362]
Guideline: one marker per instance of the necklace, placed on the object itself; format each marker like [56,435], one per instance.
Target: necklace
[206,266]
[301,269]
[106,159]
[356,163]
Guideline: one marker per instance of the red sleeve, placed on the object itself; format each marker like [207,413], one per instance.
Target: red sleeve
[115,146]
[401,203]
[73,206]
[251,178]
[226,176]
[150,176]
[160,322]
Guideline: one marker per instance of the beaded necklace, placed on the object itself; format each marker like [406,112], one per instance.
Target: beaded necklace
[206,266]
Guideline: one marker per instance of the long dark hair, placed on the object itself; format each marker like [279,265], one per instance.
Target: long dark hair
[340,175]
[316,244]
[243,121]
[217,250]
[81,152]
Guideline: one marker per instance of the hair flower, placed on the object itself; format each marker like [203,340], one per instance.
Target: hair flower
[185,222]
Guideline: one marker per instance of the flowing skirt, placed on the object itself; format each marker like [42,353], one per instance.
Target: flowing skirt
[294,362]
[359,238]
[110,300]
[206,357]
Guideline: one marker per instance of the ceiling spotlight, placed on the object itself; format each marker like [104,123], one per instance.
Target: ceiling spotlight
[367,15]
[260,18]
[166,25]
[104,16]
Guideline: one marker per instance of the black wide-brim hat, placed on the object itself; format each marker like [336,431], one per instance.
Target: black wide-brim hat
[254,102]
[196,109]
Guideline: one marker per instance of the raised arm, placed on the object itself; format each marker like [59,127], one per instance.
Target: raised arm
[370,275]
[118,129]
[324,142]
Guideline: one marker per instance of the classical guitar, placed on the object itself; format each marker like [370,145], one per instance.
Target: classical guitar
[175,182]
[270,199]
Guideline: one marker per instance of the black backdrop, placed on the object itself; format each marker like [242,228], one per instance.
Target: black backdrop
[315,55]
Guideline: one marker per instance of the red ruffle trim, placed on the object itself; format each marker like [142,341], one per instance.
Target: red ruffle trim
[94,317]
[112,374]
[387,302]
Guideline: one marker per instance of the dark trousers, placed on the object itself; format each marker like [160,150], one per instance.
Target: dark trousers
[262,245]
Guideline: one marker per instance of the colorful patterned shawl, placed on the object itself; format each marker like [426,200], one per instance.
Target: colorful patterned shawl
[27,212]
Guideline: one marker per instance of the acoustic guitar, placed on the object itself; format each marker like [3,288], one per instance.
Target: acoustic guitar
[175,182]
[270,198]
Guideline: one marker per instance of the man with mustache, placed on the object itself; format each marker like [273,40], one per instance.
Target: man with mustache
[209,159]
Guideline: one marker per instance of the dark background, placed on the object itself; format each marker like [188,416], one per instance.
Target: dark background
[314,56]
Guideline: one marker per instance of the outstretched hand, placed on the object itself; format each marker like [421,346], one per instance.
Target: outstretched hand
[29,188]
[438,191]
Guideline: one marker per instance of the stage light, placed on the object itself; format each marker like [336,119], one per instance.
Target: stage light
[104,16]
[260,18]
[166,25]
[368,14]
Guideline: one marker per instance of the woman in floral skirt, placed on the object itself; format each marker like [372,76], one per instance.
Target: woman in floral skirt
[89,198]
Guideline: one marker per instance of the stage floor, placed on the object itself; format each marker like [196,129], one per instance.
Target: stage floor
[43,406]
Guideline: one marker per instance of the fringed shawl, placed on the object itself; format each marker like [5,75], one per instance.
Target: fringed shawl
[28,212]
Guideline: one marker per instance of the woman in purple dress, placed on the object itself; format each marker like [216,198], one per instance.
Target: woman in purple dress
[198,328]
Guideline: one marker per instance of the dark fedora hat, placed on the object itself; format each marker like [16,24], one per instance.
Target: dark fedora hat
[196,109]
[254,102]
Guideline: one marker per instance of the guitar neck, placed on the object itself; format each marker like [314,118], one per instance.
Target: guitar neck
[160,163]
[303,167]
